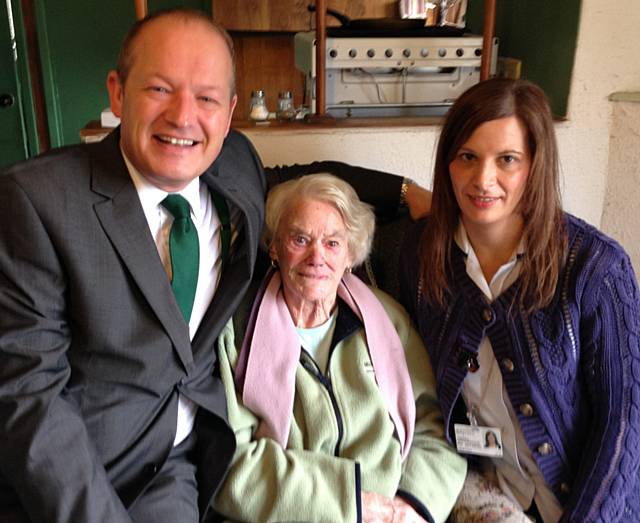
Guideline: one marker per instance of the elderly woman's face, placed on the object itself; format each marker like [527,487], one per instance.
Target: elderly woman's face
[312,250]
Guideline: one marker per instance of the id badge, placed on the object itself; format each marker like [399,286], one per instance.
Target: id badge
[482,441]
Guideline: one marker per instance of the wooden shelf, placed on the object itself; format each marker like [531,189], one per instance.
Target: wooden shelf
[93,132]
[336,123]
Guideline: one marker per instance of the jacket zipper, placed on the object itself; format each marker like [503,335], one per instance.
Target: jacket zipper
[309,363]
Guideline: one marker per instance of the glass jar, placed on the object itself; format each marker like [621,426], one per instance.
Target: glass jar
[258,106]
[285,110]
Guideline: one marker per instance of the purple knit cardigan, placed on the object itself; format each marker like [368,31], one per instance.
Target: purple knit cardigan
[576,362]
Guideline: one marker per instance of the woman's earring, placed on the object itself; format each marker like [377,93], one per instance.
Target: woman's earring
[348,270]
[274,264]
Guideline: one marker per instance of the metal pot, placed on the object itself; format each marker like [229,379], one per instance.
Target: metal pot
[436,12]
[386,24]
[371,23]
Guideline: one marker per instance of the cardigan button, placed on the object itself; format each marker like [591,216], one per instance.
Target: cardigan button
[487,315]
[527,410]
[472,364]
[545,449]
[565,488]
[507,364]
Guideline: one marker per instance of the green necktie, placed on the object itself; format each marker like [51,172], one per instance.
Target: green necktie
[185,253]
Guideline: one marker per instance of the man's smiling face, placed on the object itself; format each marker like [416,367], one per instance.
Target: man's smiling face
[176,102]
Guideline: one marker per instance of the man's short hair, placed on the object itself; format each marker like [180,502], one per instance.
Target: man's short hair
[126,55]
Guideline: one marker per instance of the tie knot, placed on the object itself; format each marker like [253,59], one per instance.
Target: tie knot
[177,205]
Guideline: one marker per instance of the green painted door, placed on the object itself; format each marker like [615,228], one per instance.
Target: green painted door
[13,135]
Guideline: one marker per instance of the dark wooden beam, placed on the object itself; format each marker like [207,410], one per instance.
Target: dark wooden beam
[35,76]
[321,48]
[141,9]
[487,38]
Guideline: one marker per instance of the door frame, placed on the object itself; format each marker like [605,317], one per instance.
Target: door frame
[23,80]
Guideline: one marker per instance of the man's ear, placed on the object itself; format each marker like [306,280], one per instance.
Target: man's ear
[232,106]
[116,92]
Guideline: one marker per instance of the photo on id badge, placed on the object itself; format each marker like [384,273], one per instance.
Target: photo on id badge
[482,441]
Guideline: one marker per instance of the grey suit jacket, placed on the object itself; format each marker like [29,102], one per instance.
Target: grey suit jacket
[93,348]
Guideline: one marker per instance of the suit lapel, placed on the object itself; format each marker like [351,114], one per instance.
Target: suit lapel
[238,269]
[123,221]
[237,175]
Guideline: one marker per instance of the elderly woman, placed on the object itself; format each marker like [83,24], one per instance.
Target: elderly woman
[531,316]
[331,395]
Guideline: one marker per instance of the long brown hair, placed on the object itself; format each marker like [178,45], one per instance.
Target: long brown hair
[544,233]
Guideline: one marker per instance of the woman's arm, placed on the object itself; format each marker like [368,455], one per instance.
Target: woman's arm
[610,339]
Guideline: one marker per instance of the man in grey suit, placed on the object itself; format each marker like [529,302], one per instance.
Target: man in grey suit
[110,407]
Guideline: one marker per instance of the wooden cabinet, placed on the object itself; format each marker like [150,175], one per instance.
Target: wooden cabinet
[292,15]
[262,31]
[265,61]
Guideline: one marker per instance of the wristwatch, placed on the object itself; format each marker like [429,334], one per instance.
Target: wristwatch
[403,191]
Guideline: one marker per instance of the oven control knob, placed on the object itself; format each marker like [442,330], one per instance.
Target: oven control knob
[442,52]
[353,53]
[424,53]
[333,53]
[406,53]
[371,53]
[478,52]
[459,52]
[388,53]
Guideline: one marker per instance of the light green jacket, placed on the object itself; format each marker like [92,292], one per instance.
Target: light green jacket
[342,440]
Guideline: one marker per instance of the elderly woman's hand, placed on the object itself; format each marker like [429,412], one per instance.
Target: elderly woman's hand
[381,509]
[376,508]
[405,513]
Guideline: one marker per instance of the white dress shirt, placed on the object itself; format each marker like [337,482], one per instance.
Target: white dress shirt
[485,394]
[205,219]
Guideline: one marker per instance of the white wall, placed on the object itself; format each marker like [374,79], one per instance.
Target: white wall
[606,61]
[402,150]
[621,216]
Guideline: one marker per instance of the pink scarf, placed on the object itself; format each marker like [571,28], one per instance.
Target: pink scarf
[271,350]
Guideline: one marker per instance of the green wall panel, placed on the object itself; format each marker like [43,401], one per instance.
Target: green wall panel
[79,42]
[541,33]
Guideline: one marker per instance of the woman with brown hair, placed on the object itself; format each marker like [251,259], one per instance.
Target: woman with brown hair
[530,315]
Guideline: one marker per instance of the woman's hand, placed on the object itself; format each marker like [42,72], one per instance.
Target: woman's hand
[381,509]
[418,200]
[405,513]
[376,508]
